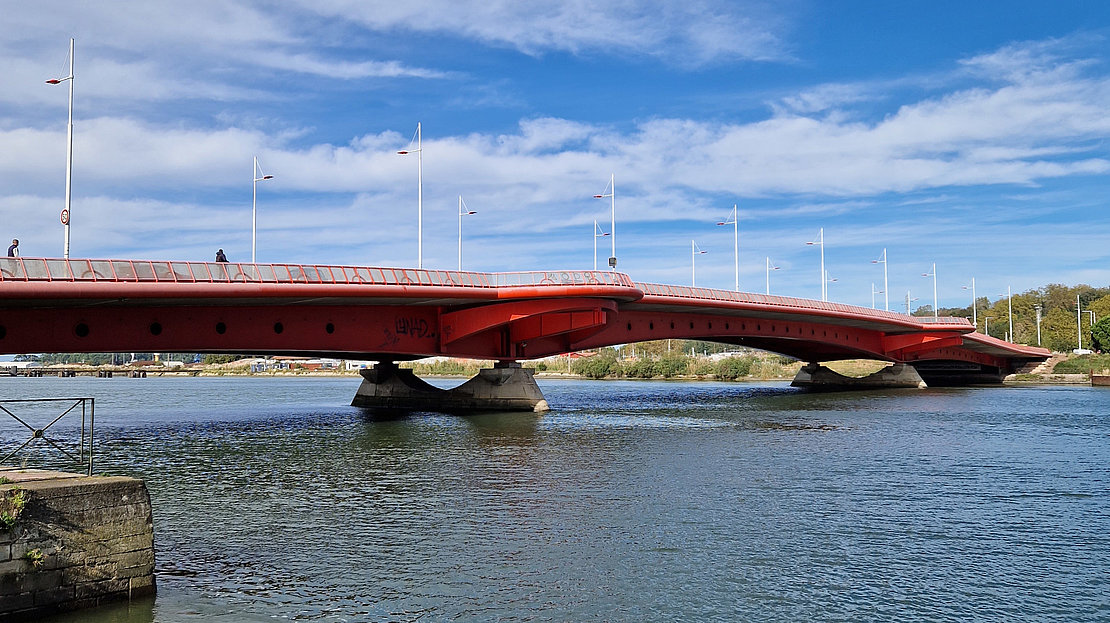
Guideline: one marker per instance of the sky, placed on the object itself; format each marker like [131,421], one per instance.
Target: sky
[972,135]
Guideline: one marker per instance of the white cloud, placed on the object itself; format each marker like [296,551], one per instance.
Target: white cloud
[693,32]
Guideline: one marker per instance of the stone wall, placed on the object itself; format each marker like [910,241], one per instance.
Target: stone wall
[74,541]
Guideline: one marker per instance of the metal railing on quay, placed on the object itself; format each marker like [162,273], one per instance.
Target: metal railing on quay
[84,456]
[150,271]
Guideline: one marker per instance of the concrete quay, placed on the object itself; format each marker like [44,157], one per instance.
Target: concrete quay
[69,541]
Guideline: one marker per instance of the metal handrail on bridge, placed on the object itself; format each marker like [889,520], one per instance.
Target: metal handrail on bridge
[769,300]
[117,271]
[162,271]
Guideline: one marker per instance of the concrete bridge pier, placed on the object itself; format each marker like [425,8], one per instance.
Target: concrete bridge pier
[504,387]
[817,377]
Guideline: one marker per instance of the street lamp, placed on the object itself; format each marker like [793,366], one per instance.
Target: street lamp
[1079,324]
[463,211]
[419,151]
[598,233]
[828,280]
[770,266]
[694,252]
[821,243]
[908,301]
[734,220]
[886,286]
[934,276]
[612,195]
[1039,308]
[986,326]
[873,293]
[66,215]
[258,177]
[974,318]
[1010,311]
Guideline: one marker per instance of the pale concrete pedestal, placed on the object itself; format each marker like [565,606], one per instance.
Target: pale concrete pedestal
[505,387]
[818,377]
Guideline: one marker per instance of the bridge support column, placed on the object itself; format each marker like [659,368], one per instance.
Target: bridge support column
[505,387]
[817,377]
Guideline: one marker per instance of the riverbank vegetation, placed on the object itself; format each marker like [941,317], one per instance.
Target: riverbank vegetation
[1083,364]
[669,359]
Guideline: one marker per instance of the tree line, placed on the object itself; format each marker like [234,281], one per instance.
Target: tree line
[1058,331]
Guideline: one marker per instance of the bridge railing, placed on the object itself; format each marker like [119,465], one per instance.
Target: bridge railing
[87,270]
[768,300]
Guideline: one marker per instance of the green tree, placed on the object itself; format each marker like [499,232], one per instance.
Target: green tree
[734,367]
[1100,335]
[1058,330]
[671,365]
[599,366]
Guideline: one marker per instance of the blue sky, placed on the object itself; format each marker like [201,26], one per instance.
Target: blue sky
[974,135]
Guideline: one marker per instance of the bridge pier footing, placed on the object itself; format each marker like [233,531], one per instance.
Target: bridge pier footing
[505,387]
[817,377]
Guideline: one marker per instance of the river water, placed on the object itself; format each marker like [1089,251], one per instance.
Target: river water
[630,501]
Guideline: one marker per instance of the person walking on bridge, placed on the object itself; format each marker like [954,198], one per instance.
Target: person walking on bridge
[13,251]
[220,257]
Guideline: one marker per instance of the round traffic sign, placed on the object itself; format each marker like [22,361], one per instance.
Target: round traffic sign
[65,217]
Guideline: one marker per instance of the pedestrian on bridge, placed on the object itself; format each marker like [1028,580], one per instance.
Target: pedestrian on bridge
[220,257]
[13,251]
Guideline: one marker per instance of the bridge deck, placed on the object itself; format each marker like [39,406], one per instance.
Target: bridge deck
[28,283]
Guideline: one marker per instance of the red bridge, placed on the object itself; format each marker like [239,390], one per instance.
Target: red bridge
[395,314]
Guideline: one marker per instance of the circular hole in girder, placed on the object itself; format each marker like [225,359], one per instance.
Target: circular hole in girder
[278,327]
[330,328]
[155,328]
[82,329]
[221,328]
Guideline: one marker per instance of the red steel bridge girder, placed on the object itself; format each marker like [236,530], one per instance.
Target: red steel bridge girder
[512,330]
[400,331]
[227,329]
[525,319]
[795,338]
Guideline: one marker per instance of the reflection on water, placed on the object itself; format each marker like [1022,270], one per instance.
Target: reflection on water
[632,501]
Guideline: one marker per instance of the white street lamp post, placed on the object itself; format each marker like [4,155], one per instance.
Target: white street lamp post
[1039,308]
[1010,311]
[67,215]
[612,195]
[463,211]
[821,243]
[1079,321]
[974,317]
[694,252]
[770,266]
[258,177]
[886,285]
[908,301]
[734,220]
[873,293]
[419,193]
[986,326]
[934,276]
[598,233]
[828,280]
